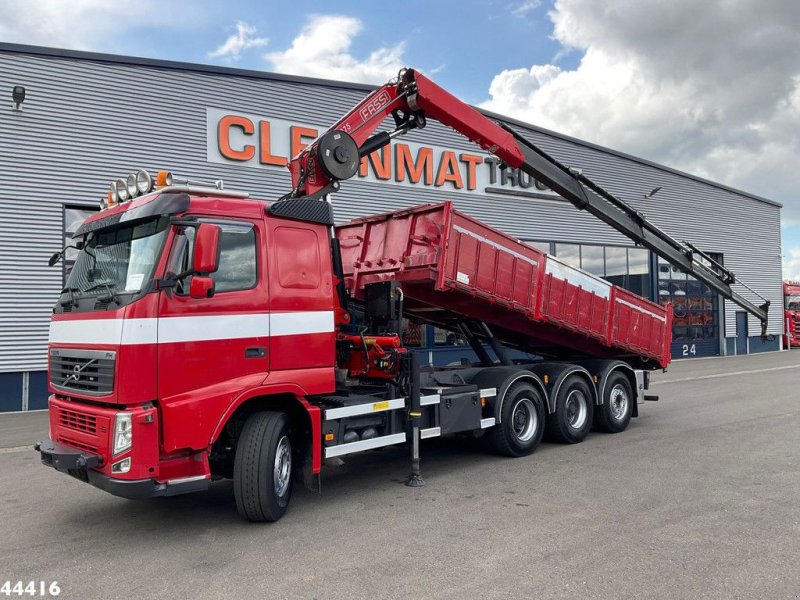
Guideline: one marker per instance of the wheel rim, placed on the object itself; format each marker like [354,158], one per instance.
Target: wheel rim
[618,402]
[577,410]
[282,471]
[524,419]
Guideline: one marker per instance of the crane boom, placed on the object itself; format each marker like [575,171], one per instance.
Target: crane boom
[413,98]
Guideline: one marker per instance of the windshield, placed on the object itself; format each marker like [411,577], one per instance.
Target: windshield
[119,260]
[793,302]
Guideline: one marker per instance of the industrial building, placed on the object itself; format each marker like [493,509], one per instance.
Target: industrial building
[76,121]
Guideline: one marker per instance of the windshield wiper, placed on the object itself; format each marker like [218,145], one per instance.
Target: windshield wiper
[111,295]
[72,299]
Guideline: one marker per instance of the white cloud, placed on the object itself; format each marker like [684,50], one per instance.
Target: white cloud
[712,88]
[322,49]
[76,24]
[244,39]
[791,264]
[523,8]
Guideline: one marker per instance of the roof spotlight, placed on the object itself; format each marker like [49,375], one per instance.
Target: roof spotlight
[113,198]
[122,190]
[130,185]
[144,183]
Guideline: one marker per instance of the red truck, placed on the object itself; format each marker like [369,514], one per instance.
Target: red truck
[791,314]
[202,334]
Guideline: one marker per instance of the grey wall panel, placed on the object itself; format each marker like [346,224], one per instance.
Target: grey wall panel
[86,122]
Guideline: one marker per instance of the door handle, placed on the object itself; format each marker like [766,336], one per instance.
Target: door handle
[255,352]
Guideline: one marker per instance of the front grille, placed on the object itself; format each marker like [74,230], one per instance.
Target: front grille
[71,419]
[79,445]
[84,371]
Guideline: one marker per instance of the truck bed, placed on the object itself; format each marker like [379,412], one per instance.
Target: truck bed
[453,268]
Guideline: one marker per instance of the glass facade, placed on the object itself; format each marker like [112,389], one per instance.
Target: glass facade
[628,268]
[695,305]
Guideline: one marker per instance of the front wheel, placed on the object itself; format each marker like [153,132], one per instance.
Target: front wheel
[522,422]
[262,469]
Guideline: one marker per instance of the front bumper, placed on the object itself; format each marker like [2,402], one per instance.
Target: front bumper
[80,464]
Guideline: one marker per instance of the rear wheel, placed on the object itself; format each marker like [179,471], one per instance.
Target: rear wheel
[262,469]
[614,414]
[521,422]
[572,419]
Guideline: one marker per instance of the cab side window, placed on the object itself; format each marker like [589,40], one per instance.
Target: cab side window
[237,260]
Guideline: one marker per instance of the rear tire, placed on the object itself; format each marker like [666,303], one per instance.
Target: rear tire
[262,469]
[521,422]
[572,419]
[614,415]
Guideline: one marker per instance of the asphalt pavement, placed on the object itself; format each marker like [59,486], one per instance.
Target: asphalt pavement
[699,498]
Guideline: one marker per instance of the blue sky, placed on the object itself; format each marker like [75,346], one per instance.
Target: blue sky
[711,88]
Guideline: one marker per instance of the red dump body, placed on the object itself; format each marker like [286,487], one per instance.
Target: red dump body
[453,267]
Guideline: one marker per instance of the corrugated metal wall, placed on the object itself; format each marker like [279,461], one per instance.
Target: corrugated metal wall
[86,122]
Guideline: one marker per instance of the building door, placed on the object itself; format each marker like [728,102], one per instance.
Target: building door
[741,332]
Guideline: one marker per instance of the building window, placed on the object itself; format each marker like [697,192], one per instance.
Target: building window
[445,337]
[629,268]
[593,260]
[638,280]
[540,246]
[569,254]
[73,217]
[414,334]
[695,305]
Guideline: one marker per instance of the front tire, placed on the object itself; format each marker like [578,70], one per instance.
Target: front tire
[614,415]
[522,422]
[572,419]
[262,469]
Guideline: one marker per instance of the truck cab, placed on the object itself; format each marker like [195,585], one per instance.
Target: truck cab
[791,314]
[183,304]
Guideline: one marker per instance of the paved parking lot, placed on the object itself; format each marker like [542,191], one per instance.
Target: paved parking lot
[699,498]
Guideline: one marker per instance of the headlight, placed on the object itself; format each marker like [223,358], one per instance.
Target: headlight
[123,434]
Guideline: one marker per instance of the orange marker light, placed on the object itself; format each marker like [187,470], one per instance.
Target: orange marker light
[163,179]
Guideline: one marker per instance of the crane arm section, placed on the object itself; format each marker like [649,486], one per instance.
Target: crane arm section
[413,98]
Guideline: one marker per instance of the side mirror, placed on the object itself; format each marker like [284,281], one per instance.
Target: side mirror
[54,258]
[201,287]
[206,249]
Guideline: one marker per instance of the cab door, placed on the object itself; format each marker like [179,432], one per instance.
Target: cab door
[212,349]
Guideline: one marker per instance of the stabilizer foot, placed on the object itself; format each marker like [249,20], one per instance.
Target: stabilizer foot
[415,481]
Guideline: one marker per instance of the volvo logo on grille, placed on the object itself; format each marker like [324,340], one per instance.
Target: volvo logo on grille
[77,370]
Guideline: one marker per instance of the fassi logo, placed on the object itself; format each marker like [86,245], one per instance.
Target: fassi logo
[374,105]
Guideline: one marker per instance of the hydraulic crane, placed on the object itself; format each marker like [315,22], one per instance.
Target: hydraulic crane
[413,98]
